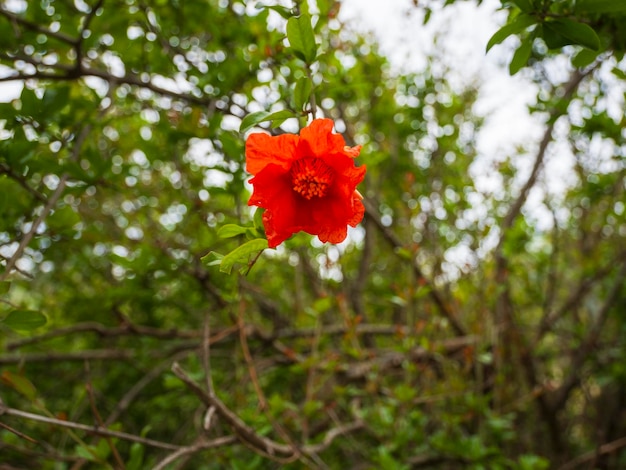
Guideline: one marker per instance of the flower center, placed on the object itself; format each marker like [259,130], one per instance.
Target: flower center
[311,177]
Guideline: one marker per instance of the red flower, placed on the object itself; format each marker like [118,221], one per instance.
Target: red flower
[305,183]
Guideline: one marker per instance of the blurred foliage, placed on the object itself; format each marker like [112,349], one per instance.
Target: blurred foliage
[451,330]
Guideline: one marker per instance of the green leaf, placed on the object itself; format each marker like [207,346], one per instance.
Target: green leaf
[4,287]
[302,92]
[86,452]
[279,117]
[252,120]
[577,33]
[231,230]
[258,219]
[552,38]
[518,25]
[19,383]
[258,117]
[521,56]
[24,320]
[242,253]
[584,58]
[63,219]
[281,10]
[136,457]
[525,5]
[212,258]
[600,6]
[301,38]
[619,73]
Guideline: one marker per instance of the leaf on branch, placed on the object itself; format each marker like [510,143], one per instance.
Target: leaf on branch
[576,33]
[281,10]
[258,117]
[525,5]
[242,253]
[521,56]
[600,6]
[584,58]
[302,92]
[20,384]
[24,320]
[518,25]
[301,38]
[212,258]
[231,230]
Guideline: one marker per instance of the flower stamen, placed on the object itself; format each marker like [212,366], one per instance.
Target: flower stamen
[311,177]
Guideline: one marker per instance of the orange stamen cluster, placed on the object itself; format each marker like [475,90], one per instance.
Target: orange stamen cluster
[311,177]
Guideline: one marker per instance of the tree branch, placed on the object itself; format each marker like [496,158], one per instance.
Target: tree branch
[433,292]
[607,448]
[200,445]
[99,431]
[248,435]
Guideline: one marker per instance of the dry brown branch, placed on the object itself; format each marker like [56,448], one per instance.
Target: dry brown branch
[136,389]
[391,359]
[98,417]
[433,292]
[16,432]
[97,430]
[583,352]
[220,335]
[7,170]
[249,436]
[17,20]
[88,355]
[28,236]
[200,445]
[577,295]
[243,431]
[604,449]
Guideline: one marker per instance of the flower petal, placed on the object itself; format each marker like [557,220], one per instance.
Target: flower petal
[263,150]
[270,187]
[358,210]
[318,140]
[352,152]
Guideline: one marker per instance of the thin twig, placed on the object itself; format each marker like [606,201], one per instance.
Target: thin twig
[433,292]
[15,19]
[248,357]
[17,433]
[206,355]
[248,436]
[34,227]
[245,432]
[607,448]
[97,430]
[134,391]
[201,445]
[93,354]
[98,417]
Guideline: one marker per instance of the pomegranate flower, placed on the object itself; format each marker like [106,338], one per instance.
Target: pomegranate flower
[305,183]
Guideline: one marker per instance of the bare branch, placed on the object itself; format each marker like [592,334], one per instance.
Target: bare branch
[433,292]
[34,227]
[199,446]
[16,20]
[88,355]
[604,449]
[583,352]
[99,431]
[7,170]
[222,334]
[245,432]
[248,436]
